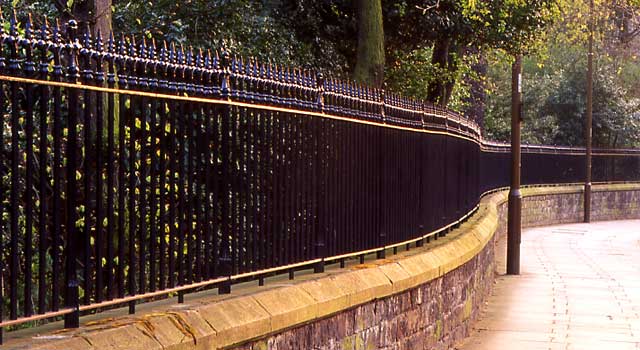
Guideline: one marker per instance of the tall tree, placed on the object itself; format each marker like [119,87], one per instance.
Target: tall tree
[370,61]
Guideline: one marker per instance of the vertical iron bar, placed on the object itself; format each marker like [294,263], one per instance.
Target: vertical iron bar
[42,230]
[56,240]
[225,258]
[14,67]
[29,72]
[3,172]
[173,219]
[88,166]
[162,146]
[99,192]
[154,176]
[133,181]
[122,163]
[71,279]
[111,186]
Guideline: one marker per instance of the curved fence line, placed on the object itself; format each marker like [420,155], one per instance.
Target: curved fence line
[129,172]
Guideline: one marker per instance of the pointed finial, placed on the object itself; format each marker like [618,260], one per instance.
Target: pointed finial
[181,58]
[189,57]
[263,71]
[1,22]
[72,27]
[111,43]
[208,61]
[269,71]
[28,28]
[99,46]
[225,59]
[44,29]
[241,67]
[44,33]
[122,50]
[133,52]
[234,63]
[13,24]
[86,37]
[143,48]
[152,49]
[55,35]
[172,53]
[199,59]
[163,55]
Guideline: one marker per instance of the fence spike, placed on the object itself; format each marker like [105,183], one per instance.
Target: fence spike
[86,37]
[199,63]
[189,57]
[269,72]
[241,67]
[13,24]
[122,50]
[99,45]
[28,28]
[216,60]
[208,60]
[133,52]
[234,62]
[199,72]
[249,67]
[111,43]
[172,53]
[163,52]
[142,50]
[164,63]
[181,56]
[225,59]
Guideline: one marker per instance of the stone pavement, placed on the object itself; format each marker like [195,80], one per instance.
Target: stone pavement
[579,288]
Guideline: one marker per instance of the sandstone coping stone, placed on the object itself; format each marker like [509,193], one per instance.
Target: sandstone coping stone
[287,306]
[235,320]
[329,297]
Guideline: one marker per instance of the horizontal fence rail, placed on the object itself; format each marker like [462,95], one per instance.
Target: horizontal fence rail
[131,172]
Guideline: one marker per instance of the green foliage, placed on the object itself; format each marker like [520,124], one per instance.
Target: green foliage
[267,30]
[555,86]
[413,72]
[456,29]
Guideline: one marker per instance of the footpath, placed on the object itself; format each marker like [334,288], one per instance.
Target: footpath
[579,288]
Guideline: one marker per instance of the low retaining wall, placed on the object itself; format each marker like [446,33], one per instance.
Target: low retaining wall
[423,299]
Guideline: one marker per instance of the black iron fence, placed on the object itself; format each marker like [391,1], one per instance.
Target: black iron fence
[131,171]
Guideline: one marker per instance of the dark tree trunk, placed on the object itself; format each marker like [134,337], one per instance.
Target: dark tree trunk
[477,99]
[95,13]
[439,59]
[370,62]
[452,68]
[446,53]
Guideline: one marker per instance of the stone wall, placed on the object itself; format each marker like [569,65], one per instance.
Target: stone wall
[434,315]
[438,314]
[543,207]
[423,299]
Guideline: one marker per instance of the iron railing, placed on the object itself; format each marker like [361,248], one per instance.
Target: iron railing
[129,172]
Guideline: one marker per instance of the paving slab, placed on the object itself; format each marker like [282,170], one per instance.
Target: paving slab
[579,288]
